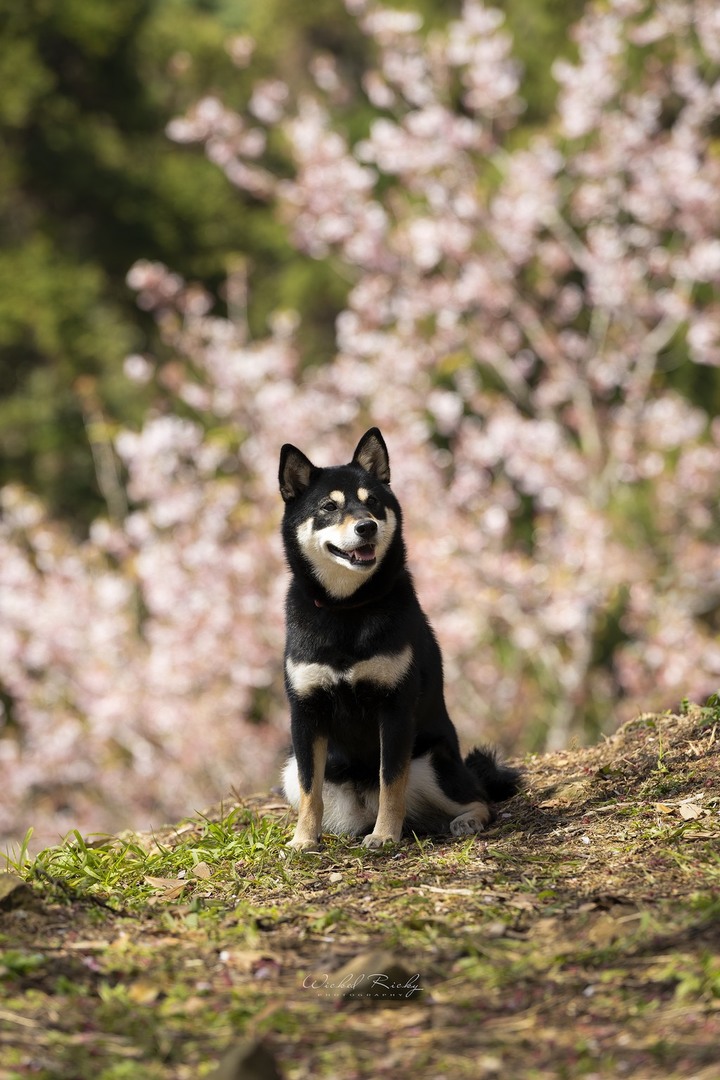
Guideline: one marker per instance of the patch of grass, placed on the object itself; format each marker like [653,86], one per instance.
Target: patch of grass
[579,937]
[205,863]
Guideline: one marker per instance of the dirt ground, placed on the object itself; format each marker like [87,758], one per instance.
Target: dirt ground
[578,937]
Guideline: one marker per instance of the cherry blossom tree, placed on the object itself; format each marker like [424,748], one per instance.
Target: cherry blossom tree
[516,307]
[508,324]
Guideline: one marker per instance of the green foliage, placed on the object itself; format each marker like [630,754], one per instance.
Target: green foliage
[89,183]
[540,34]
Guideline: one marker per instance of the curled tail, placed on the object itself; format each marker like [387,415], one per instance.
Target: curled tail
[500,781]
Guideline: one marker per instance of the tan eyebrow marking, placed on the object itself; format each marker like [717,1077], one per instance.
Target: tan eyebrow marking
[338,497]
[363,494]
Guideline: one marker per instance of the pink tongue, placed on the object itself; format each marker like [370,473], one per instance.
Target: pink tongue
[363,554]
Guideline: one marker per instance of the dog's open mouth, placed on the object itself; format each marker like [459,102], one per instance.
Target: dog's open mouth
[359,556]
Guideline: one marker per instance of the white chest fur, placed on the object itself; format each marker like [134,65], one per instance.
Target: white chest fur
[385,669]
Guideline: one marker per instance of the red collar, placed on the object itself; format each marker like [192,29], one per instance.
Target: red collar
[343,607]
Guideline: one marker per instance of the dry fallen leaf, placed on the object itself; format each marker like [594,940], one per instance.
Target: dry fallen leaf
[604,930]
[690,811]
[202,870]
[170,888]
[687,810]
[143,992]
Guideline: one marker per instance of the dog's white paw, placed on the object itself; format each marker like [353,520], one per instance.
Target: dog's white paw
[473,821]
[376,840]
[305,843]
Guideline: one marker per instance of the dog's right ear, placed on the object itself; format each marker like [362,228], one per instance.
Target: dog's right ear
[295,472]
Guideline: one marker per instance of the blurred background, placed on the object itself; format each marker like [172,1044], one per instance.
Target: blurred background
[493,231]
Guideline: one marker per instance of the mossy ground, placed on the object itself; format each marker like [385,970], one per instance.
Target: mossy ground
[578,937]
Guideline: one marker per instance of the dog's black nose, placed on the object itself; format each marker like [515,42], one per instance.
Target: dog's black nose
[366,529]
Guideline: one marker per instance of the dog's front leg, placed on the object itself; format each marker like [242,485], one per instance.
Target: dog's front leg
[311,754]
[395,755]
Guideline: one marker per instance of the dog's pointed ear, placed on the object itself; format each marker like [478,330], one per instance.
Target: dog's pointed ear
[372,454]
[296,472]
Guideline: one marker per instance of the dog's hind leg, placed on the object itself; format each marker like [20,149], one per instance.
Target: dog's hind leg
[311,773]
[444,796]
[473,819]
[497,782]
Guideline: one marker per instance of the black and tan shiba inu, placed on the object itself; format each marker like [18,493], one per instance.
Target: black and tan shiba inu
[373,746]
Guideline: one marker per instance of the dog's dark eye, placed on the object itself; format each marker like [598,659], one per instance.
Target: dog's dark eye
[329,506]
[372,503]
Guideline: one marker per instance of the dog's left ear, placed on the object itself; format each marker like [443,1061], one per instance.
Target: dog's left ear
[296,472]
[371,454]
